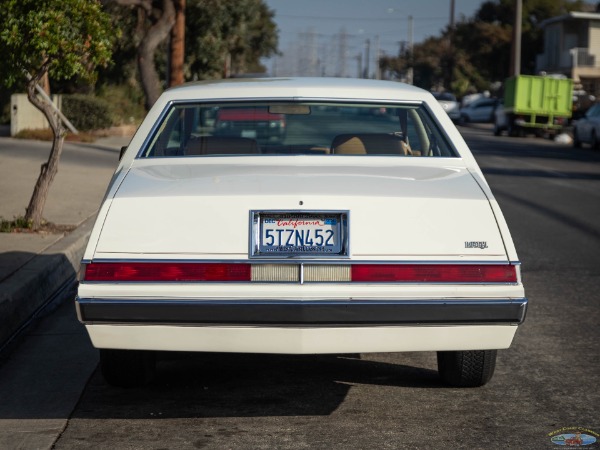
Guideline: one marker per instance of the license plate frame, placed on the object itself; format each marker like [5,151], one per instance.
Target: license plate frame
[299,234]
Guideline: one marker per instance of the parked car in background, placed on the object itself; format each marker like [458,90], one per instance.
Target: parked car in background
[587,129]
[500,119]
[354,233]
[480,110]
[449,104]
[250,122]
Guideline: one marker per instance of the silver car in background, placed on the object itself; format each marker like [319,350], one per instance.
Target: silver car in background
[449,103]
[480,110]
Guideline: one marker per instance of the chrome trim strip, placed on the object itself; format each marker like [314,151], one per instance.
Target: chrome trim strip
[305,261]
[173,103]
[314,313]
[155,126]
[297,99]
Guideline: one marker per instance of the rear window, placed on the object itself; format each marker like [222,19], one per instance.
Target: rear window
[285,128]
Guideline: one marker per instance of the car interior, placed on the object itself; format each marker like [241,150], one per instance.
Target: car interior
[294,128]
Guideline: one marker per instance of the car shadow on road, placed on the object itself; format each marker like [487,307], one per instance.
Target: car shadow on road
[249,385]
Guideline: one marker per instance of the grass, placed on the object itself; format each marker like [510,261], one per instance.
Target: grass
[17,224]
[20,225]
[46,135]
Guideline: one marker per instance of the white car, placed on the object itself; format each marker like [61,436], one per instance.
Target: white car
[449,104]
[357,232]
[480,110]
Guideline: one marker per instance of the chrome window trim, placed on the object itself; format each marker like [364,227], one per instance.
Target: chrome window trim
[173,103]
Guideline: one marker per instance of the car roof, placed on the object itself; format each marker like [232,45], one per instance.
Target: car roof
[294,88]
[444,96]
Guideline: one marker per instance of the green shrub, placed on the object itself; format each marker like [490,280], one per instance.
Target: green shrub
[127,102]
[87,112]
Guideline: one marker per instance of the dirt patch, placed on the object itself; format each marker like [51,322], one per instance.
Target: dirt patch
[45,134]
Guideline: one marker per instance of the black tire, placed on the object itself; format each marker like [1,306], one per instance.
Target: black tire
[576,141]
[512,127]
[127,368]
[463,120]
[497,130]
[472,368]
[594,141]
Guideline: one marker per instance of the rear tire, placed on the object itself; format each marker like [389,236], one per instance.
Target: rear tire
[594,141]
[471,368]
[497,129]
[512,128]
[576,141]
[127,368]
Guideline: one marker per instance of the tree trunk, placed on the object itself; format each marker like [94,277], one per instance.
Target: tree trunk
[177,45]
[49,169]
[147,48]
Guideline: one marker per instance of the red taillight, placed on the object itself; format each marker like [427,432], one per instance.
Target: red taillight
[434,273]
[360,273]
[141,271]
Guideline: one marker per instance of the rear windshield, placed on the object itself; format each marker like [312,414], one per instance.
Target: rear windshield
[285,128]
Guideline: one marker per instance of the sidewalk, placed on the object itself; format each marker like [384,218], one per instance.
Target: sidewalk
[35,267]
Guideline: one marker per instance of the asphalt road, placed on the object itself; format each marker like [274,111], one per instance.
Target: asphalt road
[548,379]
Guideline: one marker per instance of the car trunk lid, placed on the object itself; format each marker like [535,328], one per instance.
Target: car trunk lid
[401,210]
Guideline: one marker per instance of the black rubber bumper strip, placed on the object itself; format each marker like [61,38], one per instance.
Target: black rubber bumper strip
[301,313]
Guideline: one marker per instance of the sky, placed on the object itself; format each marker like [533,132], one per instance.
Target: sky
[317,24]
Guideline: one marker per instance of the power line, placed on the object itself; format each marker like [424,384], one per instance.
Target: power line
[363,19]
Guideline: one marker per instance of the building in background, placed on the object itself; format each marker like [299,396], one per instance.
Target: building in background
[572,48]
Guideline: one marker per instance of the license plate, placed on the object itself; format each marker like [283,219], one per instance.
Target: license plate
[299,233]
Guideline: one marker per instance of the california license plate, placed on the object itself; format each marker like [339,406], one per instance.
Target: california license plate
[299,233]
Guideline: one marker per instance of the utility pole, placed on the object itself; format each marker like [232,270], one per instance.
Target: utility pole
[409,72]
[342,53]
[367,51]
[450,75]
[515,63]
[377,58]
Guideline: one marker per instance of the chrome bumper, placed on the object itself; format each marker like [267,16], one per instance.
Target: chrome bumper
[313,313]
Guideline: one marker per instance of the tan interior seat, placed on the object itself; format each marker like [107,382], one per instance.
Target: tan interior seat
[369,144]
[221,145]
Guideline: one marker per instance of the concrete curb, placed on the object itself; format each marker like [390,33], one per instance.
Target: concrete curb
[30,289]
